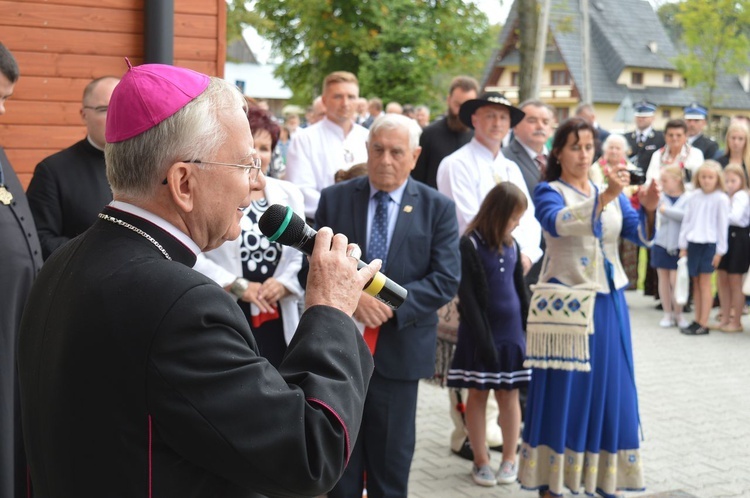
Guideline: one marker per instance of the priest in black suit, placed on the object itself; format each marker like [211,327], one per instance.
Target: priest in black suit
[20,260]
[140,376]
[644,141]
[70,188]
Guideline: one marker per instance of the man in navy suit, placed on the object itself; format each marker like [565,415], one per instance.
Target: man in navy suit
[421,253]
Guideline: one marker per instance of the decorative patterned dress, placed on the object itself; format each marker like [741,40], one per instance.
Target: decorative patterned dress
[581,428]
[493,306]
[259,260]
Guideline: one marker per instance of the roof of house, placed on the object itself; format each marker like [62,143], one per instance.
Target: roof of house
[239,51]
[621,34]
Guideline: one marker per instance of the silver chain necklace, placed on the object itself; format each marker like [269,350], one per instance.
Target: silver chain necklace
[137,230]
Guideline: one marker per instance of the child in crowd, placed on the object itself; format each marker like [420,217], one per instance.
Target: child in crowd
[703,238]
[493,306]
[665,251]
[737,259]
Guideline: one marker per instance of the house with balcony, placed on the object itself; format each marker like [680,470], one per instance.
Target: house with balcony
[631,58]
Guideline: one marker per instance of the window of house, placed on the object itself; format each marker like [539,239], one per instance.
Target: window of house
[515,78]
[241,85]
[667,77]
[666,114]
[636,79]
[561,114]
[560,78]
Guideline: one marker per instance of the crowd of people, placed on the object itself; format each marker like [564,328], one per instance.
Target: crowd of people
[163,308]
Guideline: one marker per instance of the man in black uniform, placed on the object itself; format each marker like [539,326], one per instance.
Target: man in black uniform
[447,134]
[644,141]
[695,117]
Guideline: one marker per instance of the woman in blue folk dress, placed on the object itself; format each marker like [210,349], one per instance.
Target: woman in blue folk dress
[582,428]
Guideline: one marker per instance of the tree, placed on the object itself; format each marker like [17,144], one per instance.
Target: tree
[667,13]
[715,36]
[528,19]
[396,47]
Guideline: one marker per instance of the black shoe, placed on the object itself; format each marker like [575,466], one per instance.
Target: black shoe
[695,329]
[465,452]
[687,308]
[690,328]
[659,307]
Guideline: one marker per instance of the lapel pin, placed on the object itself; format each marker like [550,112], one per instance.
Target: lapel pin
[407,209]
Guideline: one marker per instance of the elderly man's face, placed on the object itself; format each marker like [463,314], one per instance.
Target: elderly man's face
[94,110]
[535,128]
[225,191]
[389,158]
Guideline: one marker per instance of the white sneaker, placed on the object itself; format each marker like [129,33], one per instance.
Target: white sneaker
[508,473]
[483,475]
[683,323]
[666,322]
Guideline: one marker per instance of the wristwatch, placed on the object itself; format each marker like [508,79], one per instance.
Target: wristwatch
[239,286]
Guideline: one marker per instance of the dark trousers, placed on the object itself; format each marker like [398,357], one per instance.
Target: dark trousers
[385,446]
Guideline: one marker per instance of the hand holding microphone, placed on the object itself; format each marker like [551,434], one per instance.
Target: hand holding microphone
[280,224]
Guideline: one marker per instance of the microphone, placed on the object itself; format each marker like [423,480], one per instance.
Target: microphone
[280,224]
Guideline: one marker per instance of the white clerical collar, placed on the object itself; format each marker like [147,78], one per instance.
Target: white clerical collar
[93,144]
[158,221]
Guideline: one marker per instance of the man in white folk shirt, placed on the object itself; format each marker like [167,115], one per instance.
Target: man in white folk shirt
[317,152]
[469,173]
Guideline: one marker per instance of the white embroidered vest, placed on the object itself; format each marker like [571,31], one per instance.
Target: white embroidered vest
[575,256]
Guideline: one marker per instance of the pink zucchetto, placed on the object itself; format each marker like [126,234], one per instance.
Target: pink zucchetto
[147,95]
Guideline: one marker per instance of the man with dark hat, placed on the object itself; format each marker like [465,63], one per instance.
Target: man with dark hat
[695,118]
[469,173]
[644,141]
[140,376]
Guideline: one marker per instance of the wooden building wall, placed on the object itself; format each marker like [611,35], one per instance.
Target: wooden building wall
[61,45]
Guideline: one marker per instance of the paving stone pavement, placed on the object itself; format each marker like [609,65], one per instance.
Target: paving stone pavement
[694,397]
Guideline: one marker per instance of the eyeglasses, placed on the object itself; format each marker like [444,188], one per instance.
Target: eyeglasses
[252,170]
[99,109]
